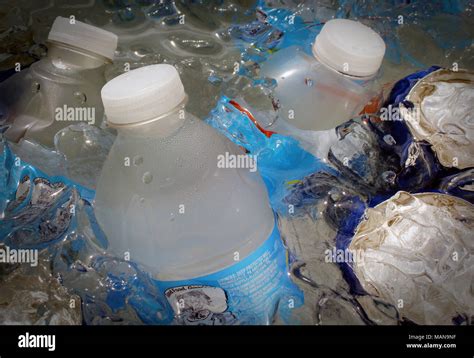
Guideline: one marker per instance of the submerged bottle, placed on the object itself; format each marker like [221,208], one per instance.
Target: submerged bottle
[170,197]
[322,91]
[61,89]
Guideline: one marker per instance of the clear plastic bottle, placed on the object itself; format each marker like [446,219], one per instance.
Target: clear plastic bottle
[170,160]
[163,199]
[61,89]
[322,91]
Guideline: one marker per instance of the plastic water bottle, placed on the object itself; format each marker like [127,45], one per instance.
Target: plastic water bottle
[322,91]
[61,89]
[169,199]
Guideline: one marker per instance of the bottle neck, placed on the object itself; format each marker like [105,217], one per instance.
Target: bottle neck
[328,66]
[159,127]
[67,57]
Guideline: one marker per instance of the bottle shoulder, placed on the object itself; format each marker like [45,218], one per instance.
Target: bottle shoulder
[286,63]
[56,71]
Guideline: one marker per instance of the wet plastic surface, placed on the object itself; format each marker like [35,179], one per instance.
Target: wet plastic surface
[319,183]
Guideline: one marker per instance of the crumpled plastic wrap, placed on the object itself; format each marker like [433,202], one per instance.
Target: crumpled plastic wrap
[416,252]
[439,109]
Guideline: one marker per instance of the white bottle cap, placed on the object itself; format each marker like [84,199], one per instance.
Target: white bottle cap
[349,47]
[84,36]
[142,94]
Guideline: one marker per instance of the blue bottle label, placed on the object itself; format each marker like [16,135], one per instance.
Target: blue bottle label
[245,293]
